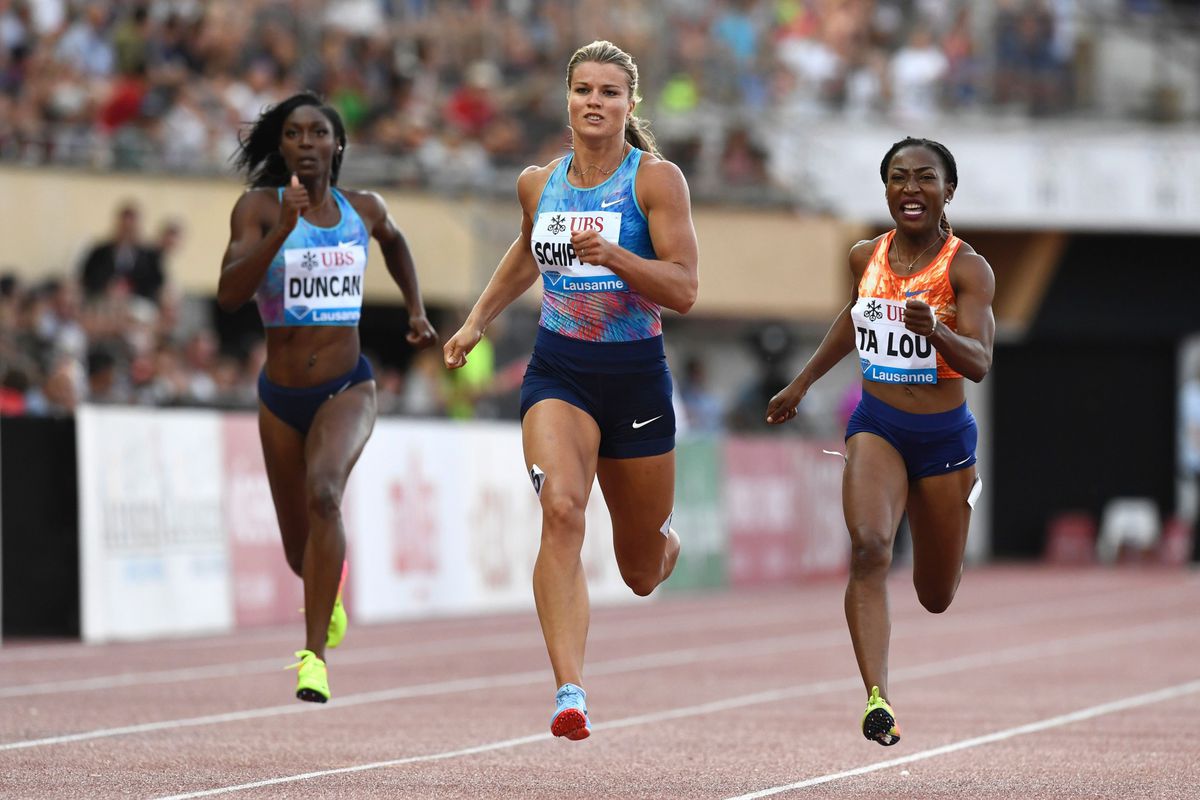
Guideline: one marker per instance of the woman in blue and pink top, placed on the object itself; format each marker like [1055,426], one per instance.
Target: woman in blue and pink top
[609,230]
[298,245]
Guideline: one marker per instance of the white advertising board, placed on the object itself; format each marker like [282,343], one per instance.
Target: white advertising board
[153,553]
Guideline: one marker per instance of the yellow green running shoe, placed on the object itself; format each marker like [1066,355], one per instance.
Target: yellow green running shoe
[312,679]
[337,619]
[879,721]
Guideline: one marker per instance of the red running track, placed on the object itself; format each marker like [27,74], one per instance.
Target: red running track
[1037,683]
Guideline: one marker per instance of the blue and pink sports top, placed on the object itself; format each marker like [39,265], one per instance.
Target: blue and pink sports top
[316,278]
[584,301]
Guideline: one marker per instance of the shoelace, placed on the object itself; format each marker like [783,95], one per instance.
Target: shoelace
[568,697]
[305,656]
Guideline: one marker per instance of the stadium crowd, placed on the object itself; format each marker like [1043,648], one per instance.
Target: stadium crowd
[447,92]
[443,95]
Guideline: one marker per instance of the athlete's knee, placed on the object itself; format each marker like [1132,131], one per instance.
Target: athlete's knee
[870,551]
[642,581]
[936,599]
[325,496]
[295,561]
[562,516]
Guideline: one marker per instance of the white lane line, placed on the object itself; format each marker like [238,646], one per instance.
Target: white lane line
[1084,606]
[1137,701]
[965,663]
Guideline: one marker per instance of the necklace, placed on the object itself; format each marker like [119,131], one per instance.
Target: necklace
[606,172]
[909,266]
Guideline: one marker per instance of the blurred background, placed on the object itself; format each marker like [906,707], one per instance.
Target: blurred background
[1074,124]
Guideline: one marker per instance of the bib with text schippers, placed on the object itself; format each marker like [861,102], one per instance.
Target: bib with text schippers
[585,301]
[323,285]
[561,268]
[888,352]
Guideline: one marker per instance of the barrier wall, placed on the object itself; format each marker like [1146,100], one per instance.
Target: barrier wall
[178,533]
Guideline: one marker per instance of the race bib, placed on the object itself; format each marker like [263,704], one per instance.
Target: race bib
[324,285]
[888,352]
[562,271]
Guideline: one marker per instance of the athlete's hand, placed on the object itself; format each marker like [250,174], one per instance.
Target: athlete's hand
[461,343]
[783,405]
[293,204]
[592,248]
[420,332]
[918,318]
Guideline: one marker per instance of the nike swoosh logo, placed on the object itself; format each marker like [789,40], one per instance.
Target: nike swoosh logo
[957,464]
[345,244]
[606,204]
[637,424]
[914,294]
[345,386]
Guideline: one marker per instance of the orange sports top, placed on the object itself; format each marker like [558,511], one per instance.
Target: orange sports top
[888,352]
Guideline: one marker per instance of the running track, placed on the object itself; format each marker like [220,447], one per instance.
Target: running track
[1037,683]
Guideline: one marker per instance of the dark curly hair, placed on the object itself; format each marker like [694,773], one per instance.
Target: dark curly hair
[258,153]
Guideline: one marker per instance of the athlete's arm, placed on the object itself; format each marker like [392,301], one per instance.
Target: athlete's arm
[400,266]
[252,244]
[515,273]
[672,280]
[969,350]
[838,341]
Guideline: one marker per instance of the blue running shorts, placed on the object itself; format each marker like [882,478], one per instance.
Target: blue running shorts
[297,407]
[624,386]
[930,444]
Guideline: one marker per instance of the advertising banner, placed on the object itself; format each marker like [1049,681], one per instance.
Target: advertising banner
[265,590]
[699,516]
[783,502]
[153,555]
[444,519]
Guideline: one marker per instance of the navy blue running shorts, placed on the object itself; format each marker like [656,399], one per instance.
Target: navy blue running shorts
[624,386]
[930,444]
[297,407]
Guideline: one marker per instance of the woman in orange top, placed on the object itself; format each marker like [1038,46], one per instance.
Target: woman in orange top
[921,319]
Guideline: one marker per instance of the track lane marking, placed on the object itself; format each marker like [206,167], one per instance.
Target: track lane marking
[388,653]
[1113,707]
[981,660]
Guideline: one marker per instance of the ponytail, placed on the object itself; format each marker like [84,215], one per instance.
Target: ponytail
[637,133]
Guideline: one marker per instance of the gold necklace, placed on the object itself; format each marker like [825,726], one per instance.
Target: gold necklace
[597,167]
[923,252]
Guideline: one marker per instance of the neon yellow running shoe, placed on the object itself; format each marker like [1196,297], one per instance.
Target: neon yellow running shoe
[879,721]
[337,619]
[312,679]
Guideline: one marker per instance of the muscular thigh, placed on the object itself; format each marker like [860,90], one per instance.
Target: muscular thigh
[340,430]
[560,442]
[639,493]
[283,455]
[874,486]
[938,517]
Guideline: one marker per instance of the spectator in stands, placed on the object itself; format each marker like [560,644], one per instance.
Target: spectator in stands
[123,261]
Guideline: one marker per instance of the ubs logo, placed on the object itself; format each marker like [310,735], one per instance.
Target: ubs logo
[557,225]
[873,311]
[310,260]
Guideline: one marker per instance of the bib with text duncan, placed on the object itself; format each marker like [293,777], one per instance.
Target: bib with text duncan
[323,285]
[562,271]
[887,351]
